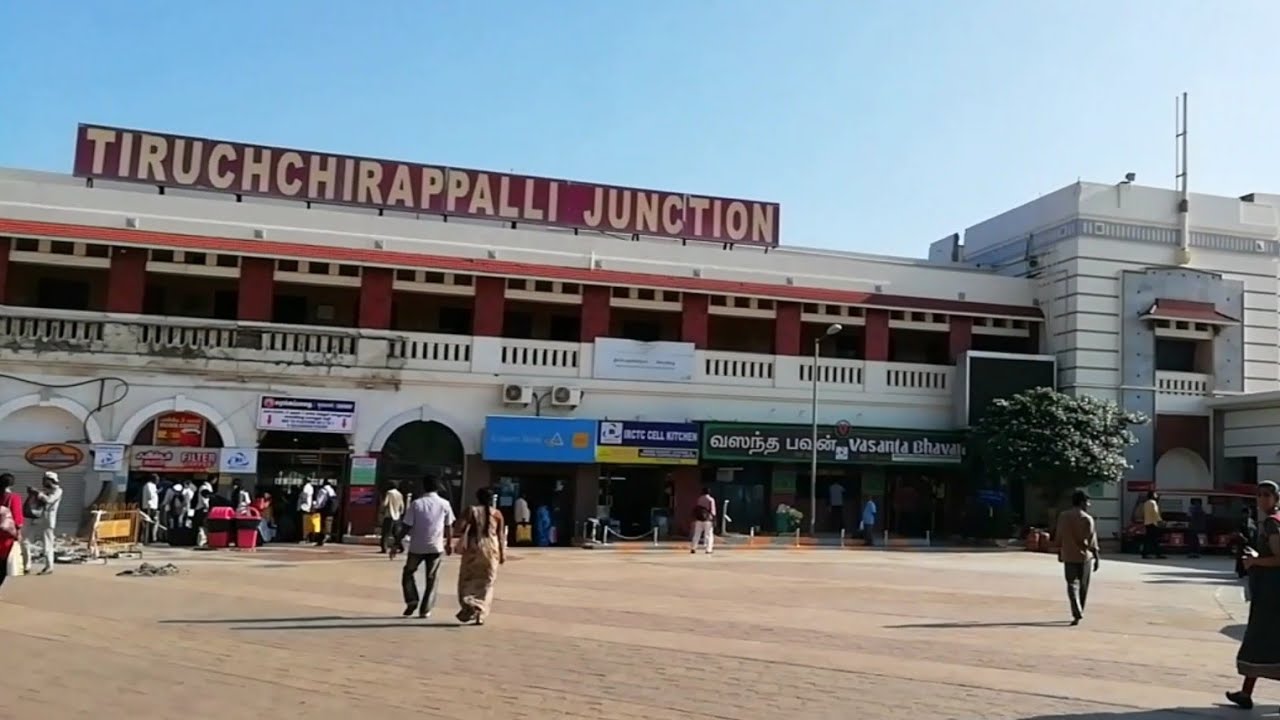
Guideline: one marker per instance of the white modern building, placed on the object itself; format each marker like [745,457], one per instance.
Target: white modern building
[196,308]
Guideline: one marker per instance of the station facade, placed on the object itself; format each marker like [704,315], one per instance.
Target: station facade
[193,307]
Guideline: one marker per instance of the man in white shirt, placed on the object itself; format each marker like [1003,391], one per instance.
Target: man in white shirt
[835,501]
[428,522]
[704,522]
[390,512]
[151,506]
[308,520]
[41,529]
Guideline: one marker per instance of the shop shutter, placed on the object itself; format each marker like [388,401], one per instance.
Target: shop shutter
[72,479]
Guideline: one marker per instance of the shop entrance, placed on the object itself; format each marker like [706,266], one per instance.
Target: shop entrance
[921,502]
[167,447]
[417,449]
[550,495]
[289,460]
[636,498]
[741,496]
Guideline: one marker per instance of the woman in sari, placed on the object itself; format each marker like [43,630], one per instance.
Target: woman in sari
[484,548]
[8,535]
[1259,655]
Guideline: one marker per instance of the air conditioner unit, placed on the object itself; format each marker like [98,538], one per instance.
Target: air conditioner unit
[517,394]
[564,396]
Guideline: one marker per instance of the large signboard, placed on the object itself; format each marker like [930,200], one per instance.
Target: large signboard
[622,359]
[297,414]
[841,443]
[180,428]
[647,443]
[167,459]
[539,439]
[232,167]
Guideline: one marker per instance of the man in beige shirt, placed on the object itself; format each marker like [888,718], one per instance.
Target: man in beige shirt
[1151,520]
[1077,551]
[389,514]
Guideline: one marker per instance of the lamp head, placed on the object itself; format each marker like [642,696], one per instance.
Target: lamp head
[834,329]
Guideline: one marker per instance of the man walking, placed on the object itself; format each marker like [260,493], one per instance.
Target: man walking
[151,508]
[390,512]
[1078,552]
[704,522]
[835,501]
[42,507]
[428,522]
[1151,519]
[868,522]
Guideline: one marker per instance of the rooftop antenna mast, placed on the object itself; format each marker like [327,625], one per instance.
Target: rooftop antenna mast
[1180,176]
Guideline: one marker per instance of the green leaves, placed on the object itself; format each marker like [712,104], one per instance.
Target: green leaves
[1057,442]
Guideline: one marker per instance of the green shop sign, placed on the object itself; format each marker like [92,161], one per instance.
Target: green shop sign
[745,442]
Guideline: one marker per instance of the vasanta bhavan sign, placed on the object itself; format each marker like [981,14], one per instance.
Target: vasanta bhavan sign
[838,444]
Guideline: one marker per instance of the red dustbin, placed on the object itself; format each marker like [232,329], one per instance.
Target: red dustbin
[218,527]
[247,521]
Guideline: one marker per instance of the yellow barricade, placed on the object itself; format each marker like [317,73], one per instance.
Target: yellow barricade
[114,531]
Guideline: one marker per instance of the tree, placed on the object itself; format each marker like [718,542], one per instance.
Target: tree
[1054,442]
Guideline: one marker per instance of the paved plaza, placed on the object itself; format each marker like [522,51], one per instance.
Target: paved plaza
[773,634]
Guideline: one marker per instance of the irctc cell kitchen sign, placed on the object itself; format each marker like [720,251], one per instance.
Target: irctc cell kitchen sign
[232,167]
[836,444]
[297,414]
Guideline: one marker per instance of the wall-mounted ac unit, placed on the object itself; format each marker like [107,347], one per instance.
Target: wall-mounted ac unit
[564,396]
[517,394]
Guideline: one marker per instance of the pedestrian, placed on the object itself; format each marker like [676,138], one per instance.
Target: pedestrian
[1151,520]
[240,496]
[1197,523]
[203,500]
[704,522]
[267,520]
[428,522]
[10,500]
[308,519]
[150,505]
[522,518]
[389,513]
[326,507]
[8,536]
[1259,654]
[1078,552]
[42,506]
[868,522]
[484,548]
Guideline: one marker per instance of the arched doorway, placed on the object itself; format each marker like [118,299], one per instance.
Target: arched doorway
[1182,469]
[177,447]
[39,438]
[289,460]
[419,448]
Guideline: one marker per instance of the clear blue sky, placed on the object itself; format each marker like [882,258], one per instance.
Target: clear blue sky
[879,125]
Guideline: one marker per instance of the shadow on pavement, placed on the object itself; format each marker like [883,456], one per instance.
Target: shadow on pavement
[314,622]
[1221,711]
[1235,632]
[244,621]
[1205,563]
[962,624]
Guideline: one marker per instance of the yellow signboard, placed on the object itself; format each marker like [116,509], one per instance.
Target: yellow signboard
[615,455]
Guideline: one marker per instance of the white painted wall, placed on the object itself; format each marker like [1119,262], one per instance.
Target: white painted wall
[1254,432]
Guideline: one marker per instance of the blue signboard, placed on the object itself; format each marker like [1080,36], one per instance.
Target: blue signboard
[647,443]
[539,439]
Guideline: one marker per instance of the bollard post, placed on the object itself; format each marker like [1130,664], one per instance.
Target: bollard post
[655,535]
[928,538]
[841,538]
[751,536]
[797,537]
[886,539]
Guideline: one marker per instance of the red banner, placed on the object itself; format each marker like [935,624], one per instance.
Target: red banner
[180,428]
[176,161]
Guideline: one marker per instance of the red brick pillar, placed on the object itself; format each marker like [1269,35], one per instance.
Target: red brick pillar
[127,280]
[375,298]
[257,289]
[6,244]
[960,336]
[694,320]
[595,312]
[489,307]
[786,329]
[876,335]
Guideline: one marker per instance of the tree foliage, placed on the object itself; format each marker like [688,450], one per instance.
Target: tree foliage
[1055,442]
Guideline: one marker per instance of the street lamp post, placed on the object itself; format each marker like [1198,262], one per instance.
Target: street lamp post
[833,329]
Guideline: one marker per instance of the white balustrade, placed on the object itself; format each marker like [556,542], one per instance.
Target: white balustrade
[733,368]
[540,357]
[846,374]
[1183,383]
[915,379]
[423,351]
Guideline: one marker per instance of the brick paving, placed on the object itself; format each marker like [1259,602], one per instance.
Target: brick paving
[579,634]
